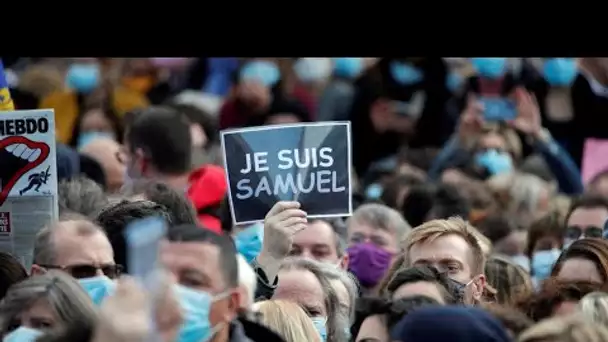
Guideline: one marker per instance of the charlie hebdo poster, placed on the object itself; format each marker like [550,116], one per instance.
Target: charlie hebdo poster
[308,163]
[28,179]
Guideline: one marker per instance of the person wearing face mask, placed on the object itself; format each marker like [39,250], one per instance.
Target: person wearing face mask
[208,292]
[398,100]
[586,219]
[501,138]
[589,100]
[80,248]
[545,243]
[337,97]
[85,81]
[249,241]
[452,247]
[312,76]
[373,233]
[259,82]
[551,80]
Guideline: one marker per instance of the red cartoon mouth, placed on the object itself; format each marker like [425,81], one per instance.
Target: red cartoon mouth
[18,155]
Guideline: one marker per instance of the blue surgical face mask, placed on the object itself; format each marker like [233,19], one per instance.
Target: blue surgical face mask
[249,241]
[495,162]
[86,137]
[453,81]
[490,67]
[374,191]
[83,77]
[313,69]
[261,71]
[522,261]
[98,288]
[195,305]
[23,334]
[405,73]
[320,324]
[560,71]
[542,263]
[348,67]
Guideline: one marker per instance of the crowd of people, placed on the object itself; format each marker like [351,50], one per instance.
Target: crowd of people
[471,219]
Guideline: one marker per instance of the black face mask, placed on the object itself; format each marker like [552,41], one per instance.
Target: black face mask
[458,290]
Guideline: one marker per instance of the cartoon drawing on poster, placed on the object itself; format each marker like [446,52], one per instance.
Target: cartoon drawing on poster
[28,180]
[308,163]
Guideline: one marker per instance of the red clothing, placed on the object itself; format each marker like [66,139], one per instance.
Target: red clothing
[208,187]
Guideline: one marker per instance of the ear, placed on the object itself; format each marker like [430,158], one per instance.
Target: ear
[37,270]
[479,285]
[141,162]
[234,303]
[344,262]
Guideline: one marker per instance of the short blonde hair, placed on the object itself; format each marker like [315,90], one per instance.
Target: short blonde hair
[434,229]
[288,320]
[565,329]
[594,306]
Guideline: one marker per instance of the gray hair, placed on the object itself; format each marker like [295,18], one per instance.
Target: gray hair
[69,303]
[382,217]
[594,307]
[337,321]
[350,283]
[80,195]
[44,246]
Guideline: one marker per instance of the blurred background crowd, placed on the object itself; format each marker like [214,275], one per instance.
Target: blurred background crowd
[498,142]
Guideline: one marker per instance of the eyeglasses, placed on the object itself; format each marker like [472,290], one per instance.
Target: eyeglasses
[575,232]
[111,271]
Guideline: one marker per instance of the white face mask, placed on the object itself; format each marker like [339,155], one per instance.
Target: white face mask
[313,69]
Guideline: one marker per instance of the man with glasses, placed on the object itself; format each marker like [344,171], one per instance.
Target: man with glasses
[76,246]
[587,217]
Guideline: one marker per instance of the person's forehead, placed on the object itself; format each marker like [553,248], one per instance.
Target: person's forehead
[451,246]
[492,139]
[374,327]
[40,309]
[578,269]
[83,249]
[299,286]
[201,253]
[594,216]
[360,226]
[317,232]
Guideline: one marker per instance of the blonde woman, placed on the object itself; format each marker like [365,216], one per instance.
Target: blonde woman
[288,320]
[594,307]
[525,196]
[565,329]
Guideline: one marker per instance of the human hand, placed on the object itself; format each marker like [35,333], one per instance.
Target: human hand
[528,119]
[282,222]
[471,119]
[124,315]
[167,313]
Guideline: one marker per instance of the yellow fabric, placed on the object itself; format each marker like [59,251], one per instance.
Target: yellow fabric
[66,108]
[126,100]
[6,102]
